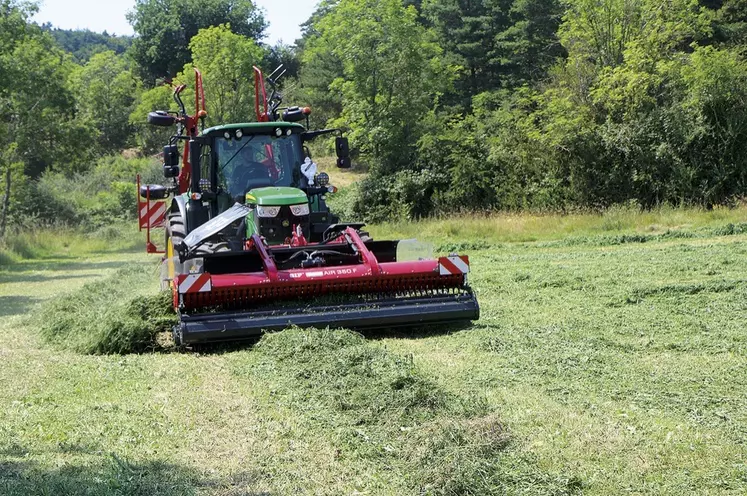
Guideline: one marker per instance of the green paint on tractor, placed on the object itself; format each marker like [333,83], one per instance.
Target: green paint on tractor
[276,196]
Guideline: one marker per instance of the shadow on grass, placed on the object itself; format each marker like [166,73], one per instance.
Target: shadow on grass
[114,476]
[419,332]
[15,305]
[96,265]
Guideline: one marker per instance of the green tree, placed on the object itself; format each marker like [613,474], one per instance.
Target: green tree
[393,75]
[467,31]
[83,44]
[225,60]
[149,138]
[730,24]
[38,126]
[320,66]
[285,55]
[529,46]
[165,29]
[105,90]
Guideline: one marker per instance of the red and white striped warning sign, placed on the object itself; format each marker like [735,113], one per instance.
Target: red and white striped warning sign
[453,265]
[195,283]
[152,215]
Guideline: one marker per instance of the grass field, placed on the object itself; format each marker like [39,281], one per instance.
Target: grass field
[611,358]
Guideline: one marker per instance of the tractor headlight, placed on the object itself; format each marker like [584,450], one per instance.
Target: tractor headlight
[300,210]
[239,134]
[268,211]
[322,179]
[227,135]
[278,132]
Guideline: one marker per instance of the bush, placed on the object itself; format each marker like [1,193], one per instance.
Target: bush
[89,200]
[407,194]
[7,257]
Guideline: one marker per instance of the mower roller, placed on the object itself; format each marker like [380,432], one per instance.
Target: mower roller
[251,246]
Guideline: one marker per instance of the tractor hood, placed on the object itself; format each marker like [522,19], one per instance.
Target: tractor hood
[276,196]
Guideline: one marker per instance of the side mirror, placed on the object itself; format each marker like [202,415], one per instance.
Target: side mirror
[342,148]
[170,161]
[161,118]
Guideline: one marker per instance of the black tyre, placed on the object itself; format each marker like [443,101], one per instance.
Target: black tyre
[175,233]
[208,248]
[175,230]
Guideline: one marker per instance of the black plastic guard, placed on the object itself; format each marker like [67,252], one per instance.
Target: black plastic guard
[383,314]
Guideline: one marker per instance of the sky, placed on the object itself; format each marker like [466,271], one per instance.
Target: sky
[284,16]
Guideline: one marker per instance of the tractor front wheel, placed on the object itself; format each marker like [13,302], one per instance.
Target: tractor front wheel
[175,233]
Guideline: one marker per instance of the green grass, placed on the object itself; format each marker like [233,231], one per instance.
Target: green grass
[489,230]
[67,242]
[381,411]
[608,360]
[342,178]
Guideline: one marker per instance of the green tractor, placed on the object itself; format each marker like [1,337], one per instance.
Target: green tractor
[264,164]
[248,227]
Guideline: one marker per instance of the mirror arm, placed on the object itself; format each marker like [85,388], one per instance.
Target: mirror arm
[311,135]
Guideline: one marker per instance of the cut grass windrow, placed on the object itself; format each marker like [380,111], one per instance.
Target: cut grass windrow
[122,313]
[384,412]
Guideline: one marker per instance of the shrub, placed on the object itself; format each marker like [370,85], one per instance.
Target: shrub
[89,200]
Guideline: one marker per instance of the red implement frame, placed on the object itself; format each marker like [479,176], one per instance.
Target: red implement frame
[259,91]
[369,276]
[190,124]
[151,214]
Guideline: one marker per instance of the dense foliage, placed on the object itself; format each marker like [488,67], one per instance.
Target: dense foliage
[165,29]
[84,44]
[71,101]
[450,104]
[553,106]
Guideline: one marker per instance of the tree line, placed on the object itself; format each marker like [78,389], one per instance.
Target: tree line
[534,104]
[451,105]
[72,101]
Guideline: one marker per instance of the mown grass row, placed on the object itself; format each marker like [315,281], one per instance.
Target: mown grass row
[122,313]
[379,409]
[616,225]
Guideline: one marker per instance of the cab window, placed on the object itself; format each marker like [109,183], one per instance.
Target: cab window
[257,161]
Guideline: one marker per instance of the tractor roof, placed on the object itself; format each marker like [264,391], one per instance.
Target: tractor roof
[260,127]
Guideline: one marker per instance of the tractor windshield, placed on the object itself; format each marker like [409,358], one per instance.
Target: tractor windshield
[257,161]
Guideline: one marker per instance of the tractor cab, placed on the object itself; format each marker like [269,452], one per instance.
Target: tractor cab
[260,165]
[264,165]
